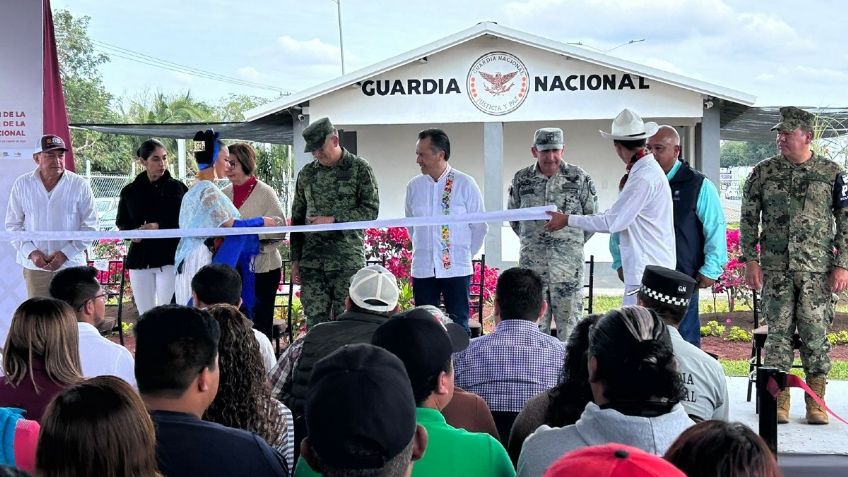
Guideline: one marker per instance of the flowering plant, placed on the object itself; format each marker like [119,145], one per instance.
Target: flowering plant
[489,282]
[391,246]
[111,251]
[732,280]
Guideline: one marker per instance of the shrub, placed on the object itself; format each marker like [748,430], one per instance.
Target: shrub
[737,334]
[838,338]
[712,328]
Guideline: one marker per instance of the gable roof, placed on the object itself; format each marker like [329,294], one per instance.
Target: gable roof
[493,29]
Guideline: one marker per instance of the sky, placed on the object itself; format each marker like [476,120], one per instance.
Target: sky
[782,52]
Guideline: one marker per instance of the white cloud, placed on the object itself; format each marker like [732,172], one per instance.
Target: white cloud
[307,51]
[665,65]
[250,73]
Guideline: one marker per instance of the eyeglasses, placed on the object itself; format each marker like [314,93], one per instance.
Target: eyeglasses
[94,298]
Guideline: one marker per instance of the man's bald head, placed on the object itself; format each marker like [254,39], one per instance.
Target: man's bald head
[665,146]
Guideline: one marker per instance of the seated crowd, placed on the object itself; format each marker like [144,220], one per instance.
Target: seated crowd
[376,392]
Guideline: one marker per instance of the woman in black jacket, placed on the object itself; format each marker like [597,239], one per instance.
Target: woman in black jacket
[152,201]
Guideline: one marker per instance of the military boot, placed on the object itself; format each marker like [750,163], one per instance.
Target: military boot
[783,407]
[815,413]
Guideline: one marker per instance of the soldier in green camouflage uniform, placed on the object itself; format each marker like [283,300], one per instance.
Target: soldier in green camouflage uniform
[794,207]
[336,187]
[556,256]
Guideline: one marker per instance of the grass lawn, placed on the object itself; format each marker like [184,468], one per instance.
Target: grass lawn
[740,368]
[605,303]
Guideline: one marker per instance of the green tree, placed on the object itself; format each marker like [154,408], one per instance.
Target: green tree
[738,153]
[159,107]
[274,165]
[85,96]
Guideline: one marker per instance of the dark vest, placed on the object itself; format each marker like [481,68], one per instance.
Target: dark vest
[351,328]
[688,229]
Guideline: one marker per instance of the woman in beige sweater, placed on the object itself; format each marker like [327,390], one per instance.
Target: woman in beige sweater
[254,198]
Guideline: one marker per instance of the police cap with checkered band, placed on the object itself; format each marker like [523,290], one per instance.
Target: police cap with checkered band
[667,286]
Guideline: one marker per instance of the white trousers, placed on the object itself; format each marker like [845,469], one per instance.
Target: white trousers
[628,298]
[152,287]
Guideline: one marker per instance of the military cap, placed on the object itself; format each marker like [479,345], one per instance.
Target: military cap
[316,133]
[547,139]
[792,118]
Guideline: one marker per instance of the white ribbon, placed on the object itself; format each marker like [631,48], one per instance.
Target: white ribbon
[513,215]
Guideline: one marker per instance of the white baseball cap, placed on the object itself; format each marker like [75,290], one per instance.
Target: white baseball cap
[374,288]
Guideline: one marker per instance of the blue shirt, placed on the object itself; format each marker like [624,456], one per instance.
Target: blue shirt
[509,366]
[188,446]
[709,211]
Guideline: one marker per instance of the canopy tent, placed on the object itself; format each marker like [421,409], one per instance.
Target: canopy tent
[744,123]
[738,123]
[276,129]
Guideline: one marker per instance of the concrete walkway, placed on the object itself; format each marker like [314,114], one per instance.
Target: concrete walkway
[797,437]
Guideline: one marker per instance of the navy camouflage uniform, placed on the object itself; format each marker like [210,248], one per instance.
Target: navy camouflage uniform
[798,214]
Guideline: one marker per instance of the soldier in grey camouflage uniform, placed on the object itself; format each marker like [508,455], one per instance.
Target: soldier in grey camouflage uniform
[794,207]
[556,256]
[336,187]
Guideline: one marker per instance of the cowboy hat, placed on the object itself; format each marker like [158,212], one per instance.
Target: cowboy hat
[628,126]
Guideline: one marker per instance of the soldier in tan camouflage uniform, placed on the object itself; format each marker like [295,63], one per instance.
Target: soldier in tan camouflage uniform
[336,187]
[557,256]
[794,207]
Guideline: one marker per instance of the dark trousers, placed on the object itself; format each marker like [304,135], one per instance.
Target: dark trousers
[427,291]
[690,327]
[266,286]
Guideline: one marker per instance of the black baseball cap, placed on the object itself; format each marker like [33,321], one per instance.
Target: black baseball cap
[359,410]
[421,341]
[50,142]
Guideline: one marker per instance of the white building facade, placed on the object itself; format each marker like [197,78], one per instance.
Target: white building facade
[490,88]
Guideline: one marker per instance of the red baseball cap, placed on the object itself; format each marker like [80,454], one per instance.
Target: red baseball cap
[612,460]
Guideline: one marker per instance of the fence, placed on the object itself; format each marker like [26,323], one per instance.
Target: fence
[107,191]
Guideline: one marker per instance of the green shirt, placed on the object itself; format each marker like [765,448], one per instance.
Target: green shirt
[796,214]
[450,452]
[348,192]
[457,452]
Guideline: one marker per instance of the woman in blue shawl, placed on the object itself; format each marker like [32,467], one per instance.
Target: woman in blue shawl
[205,206]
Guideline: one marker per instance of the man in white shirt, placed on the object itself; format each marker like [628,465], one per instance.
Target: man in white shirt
[441,255]
[78,287]
[217,283]
[49,198]
[642,214]
[668,292]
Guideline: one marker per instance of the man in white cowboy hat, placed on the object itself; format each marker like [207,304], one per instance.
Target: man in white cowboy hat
[642,214]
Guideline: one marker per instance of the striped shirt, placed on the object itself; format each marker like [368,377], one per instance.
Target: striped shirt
[509,366]
[69,206]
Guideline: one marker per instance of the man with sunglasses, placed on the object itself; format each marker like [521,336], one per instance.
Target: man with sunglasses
[78,287]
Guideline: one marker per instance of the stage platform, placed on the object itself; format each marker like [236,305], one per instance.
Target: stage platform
[803,450]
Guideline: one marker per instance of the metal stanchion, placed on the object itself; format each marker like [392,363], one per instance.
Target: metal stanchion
[768,404]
